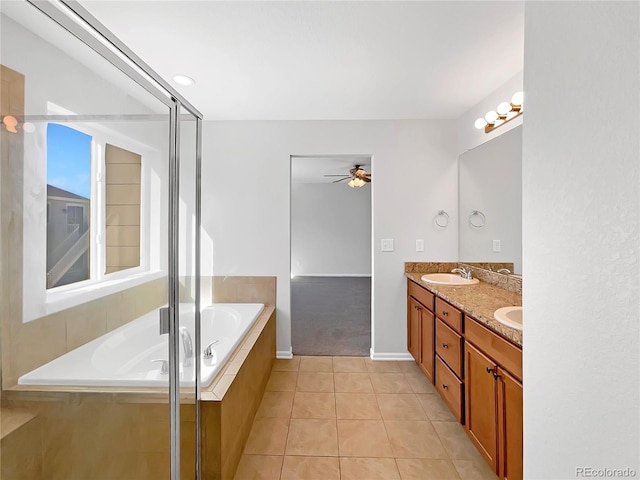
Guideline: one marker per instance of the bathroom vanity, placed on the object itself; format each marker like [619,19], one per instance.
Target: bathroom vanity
[474,361]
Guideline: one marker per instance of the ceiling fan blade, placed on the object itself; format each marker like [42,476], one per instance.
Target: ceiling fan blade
[333,175]
[365,179]
[339,180]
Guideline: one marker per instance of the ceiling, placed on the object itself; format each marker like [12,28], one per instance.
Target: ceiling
[316,60]
[313,168]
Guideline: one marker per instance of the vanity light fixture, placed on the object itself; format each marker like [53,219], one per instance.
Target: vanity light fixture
[183,80]
[505,112]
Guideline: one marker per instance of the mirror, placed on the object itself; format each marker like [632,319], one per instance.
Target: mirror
[490,201]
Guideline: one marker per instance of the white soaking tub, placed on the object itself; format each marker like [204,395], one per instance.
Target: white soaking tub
[125,356]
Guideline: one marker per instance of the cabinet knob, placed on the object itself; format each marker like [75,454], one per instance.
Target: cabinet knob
[489,370]
[445,386]
[445,313]
[496,376]
[444,345]
[416,307]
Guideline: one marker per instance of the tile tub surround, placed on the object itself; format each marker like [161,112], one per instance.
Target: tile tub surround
[26,346]
[133,424]
[478,301]
[377,419]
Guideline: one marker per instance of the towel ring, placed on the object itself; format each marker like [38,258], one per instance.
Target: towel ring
[444,222]
[478,223]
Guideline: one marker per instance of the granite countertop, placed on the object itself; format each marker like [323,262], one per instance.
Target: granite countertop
[478,301]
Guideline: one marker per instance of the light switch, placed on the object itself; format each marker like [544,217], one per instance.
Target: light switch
[496,246]
[420,245]
[387,245]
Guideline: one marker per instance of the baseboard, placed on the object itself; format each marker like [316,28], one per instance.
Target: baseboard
[333,275]
[400,357]
[285,354]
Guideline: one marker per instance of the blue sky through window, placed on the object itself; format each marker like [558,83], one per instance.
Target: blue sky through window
[69,159]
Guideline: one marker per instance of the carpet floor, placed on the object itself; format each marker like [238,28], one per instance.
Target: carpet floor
[331,316]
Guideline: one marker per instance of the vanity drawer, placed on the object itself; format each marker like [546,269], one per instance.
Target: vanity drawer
[424,296]
[449,347]
[503,352]
[449,314]
[450,388]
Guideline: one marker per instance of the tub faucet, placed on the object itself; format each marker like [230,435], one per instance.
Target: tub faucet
[188,346]
[464,273]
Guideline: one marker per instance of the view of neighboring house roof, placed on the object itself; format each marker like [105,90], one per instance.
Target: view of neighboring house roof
[58,192]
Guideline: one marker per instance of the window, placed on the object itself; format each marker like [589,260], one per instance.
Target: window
[88,242]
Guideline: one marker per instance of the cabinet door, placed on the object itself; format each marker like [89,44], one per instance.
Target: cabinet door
[427,351]
[509,426]
[481,402]
[413,327]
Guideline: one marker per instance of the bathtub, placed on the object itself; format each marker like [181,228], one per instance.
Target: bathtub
[125,356]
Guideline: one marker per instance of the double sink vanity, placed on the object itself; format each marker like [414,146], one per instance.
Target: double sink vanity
[465,334]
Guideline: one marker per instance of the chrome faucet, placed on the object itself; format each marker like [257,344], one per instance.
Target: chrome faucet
[464,273]
[187,344]
[504,270]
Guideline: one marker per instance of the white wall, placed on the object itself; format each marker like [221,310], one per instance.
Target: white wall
[581,206]
[246,176]
[490,181]
[470,137]
[330,229]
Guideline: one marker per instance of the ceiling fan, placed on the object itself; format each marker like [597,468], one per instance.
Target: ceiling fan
[357,175]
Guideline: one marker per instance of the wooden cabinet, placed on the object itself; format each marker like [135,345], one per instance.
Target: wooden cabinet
[449,371]
[493,397]
[420,328]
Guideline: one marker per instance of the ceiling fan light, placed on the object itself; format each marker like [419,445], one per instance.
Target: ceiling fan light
[352,182]
[359,182]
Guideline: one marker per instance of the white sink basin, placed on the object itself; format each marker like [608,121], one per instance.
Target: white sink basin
[509,316]
[448,279]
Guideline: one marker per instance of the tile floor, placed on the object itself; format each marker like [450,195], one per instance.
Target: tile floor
[352,418]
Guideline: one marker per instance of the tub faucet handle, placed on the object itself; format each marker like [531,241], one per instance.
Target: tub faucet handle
[164,367]
[208,352]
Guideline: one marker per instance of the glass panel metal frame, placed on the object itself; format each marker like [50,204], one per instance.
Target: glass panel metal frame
[73,17]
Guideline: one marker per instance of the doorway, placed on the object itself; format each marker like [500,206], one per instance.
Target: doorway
[331,220]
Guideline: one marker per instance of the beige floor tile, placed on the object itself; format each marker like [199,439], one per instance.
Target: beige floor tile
[368,468]
[275,404]
[409,367]
[363,438]
[390,383]
[456,441]
[349,364]
[362,406]
[282,381]
[259,467]
[268,436]
[314,405]
[419,383]
[310,468]
[286,364]
[474,470]
[426,469]
[414,439]
[312,437]
[400,407]
[435,408]
[382,366]
[353,382]
[316,364]
[315,382]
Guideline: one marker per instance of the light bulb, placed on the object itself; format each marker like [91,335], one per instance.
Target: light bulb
[352,182]
[517,98]
[183,80]
[491,116]
[480,123]
[504,108]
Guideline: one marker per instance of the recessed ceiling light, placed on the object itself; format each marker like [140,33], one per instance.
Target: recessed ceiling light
[183,80]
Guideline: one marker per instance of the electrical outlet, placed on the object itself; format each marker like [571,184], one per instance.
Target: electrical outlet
[496,246]
[420,245]
[386,245]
